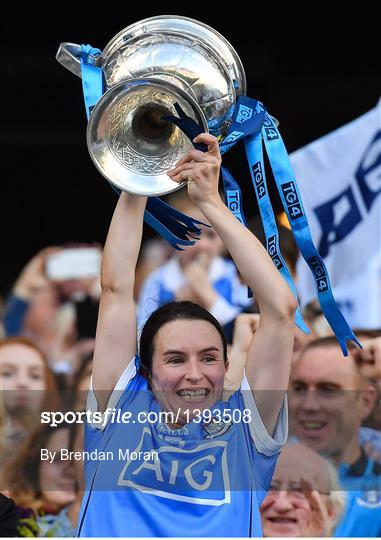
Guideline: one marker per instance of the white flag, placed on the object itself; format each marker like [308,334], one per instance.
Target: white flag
[339,177]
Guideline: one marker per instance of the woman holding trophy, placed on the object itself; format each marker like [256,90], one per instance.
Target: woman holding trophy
[168,456]
[205,471]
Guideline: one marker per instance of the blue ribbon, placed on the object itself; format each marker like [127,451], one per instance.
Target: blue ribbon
[247,112]
[293,206]
[233,195]
[247,120]
[92,78]
[253,148]
[156,207]
[234,201]
[189,126]
[180,225]
[247,124]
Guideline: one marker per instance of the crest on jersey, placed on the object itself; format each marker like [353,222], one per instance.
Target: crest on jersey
[214,428]
[370,498]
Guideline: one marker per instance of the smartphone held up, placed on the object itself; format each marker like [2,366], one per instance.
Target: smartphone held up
[74,263]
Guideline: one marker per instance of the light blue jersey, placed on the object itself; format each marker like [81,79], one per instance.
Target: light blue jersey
[203,479]
[362,515]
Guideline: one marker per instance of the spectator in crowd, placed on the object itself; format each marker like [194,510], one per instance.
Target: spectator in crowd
[9,517]
[16,521]
[32,306]
[28,386]
[57,313]
[25,376]
[304,498]
[198,273]
[334,379]
[368,360]
[45,486]
[64,524]
[329,399]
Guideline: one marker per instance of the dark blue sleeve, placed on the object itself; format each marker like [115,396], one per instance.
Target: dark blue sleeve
[15,311]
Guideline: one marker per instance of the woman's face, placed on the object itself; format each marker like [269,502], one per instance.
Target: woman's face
[56,479]
[188,367]
[22,376]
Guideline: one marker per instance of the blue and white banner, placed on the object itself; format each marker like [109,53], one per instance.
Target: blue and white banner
[339,177]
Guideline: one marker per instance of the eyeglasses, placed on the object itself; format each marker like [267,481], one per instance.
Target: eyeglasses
[294,489]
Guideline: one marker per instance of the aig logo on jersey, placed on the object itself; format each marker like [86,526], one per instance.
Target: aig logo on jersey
[180,474]
[215,428]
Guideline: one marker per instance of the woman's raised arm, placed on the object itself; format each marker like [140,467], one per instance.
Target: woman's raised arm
[115,343]
[269,357]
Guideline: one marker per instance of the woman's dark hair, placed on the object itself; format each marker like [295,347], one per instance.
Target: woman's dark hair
[173,311]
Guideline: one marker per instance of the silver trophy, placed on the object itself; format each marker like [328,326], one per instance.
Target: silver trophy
[149,67]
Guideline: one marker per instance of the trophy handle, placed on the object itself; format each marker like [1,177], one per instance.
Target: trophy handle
[69,54]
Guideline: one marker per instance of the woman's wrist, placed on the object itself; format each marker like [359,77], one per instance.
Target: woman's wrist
[211,204]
